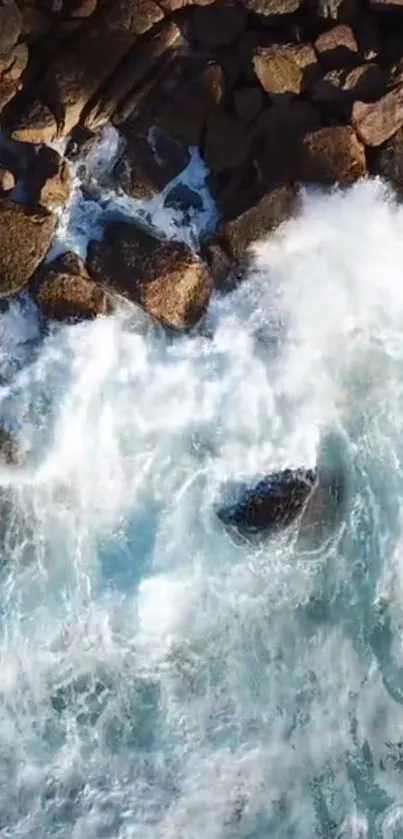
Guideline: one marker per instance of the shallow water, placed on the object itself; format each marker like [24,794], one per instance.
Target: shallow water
[159,680]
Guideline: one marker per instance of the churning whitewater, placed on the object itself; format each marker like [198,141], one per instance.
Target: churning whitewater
[160,680]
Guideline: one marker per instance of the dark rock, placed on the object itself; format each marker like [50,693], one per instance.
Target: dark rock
[10,27]
[183,198]
[387,161]
[376,122]
[386,5]
[219,264]
[280,131]
[287,69]
[219,24]
[272,8]
[35,24]
[186,115]
[237,189]
[25,236]
[332,154]
[80,143]
[339,89]
[64,291]
[10,452]
[340,11]
[147,165]
[163,277]
[337,48]
[368,37]
[248,103]
[7,180]
[49,180]
[175,5]
[313,500]
[37,124]
[227,144]
[276,206]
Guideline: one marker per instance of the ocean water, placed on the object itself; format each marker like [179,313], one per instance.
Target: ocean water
[159,680]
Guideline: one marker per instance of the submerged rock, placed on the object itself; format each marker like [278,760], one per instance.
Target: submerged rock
[63,291]
[281,498]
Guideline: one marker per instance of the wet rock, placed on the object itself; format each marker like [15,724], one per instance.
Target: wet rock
[217,25]
[388,161]
[186,115]
[376,122]
[272,8]
[219,264]
[332,154]
[237,190]
[7,180]
[248,103]
[10,27]
[339,89]
[64,291]
[49,181]
[25,236]
[277,501]
[181,197]
[227,144]
[148,164]
[163,277]
[10,452]
[287,69]
[337,48]
[277,205]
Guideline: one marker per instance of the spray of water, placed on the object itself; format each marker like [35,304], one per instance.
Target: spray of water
[158,680]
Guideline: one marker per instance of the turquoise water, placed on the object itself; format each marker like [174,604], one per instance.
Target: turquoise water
[158,680]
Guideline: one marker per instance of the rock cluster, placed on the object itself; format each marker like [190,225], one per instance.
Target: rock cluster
[274,93]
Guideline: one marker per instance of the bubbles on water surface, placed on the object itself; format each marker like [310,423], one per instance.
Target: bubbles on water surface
[158,679]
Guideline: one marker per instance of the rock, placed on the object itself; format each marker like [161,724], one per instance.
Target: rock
[181,197]
[75,75]
[148,164]
[339,89]
[385,5]
[7,180]
[248,103]
[10,27]
[131,83]
[36,125]
[316,501]
[163,277]
[388,161]
[217,25]
[341,11]
[237,190]
[175,5]
[272,8]
[337,48]
[49,181]
[186,115]
[84,8]
[239,234]
[25,236]
[64,291]
[219,264]
[368,38]
[8,89]
[287,69]
[375,122]
[280,130]
[36,24]
[227,144]
[10,453]
[332,154]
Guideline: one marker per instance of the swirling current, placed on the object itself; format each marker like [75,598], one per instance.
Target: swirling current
[159,680]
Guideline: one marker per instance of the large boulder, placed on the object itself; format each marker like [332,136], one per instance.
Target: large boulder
[25,236]
[64,291]
[148,164]
[272,8]
[285,69]
[337,91]
[10,28]
[332,155]
[277,205]
[227,142]
[375,122]
[337,48]
[280,130]
[185,115]
[165,278]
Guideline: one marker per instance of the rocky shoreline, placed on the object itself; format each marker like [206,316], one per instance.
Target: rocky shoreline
[274,93]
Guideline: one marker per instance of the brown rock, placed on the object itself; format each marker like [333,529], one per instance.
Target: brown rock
[64,291]
[332,155]
[8,89]
[248,102]
[25,236]
[185,117]
[35,24]
[227,144]
[287,69]
[175,5]
[165,278]
[132,80]
[19,61]
[219,264]
[339,89]
[148,164]
[337,48]
[256,223]
[53,179]
[85,8]
[7,180]
[375,122]
[219,24]
[10,27]
[37,125]
[272,8]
